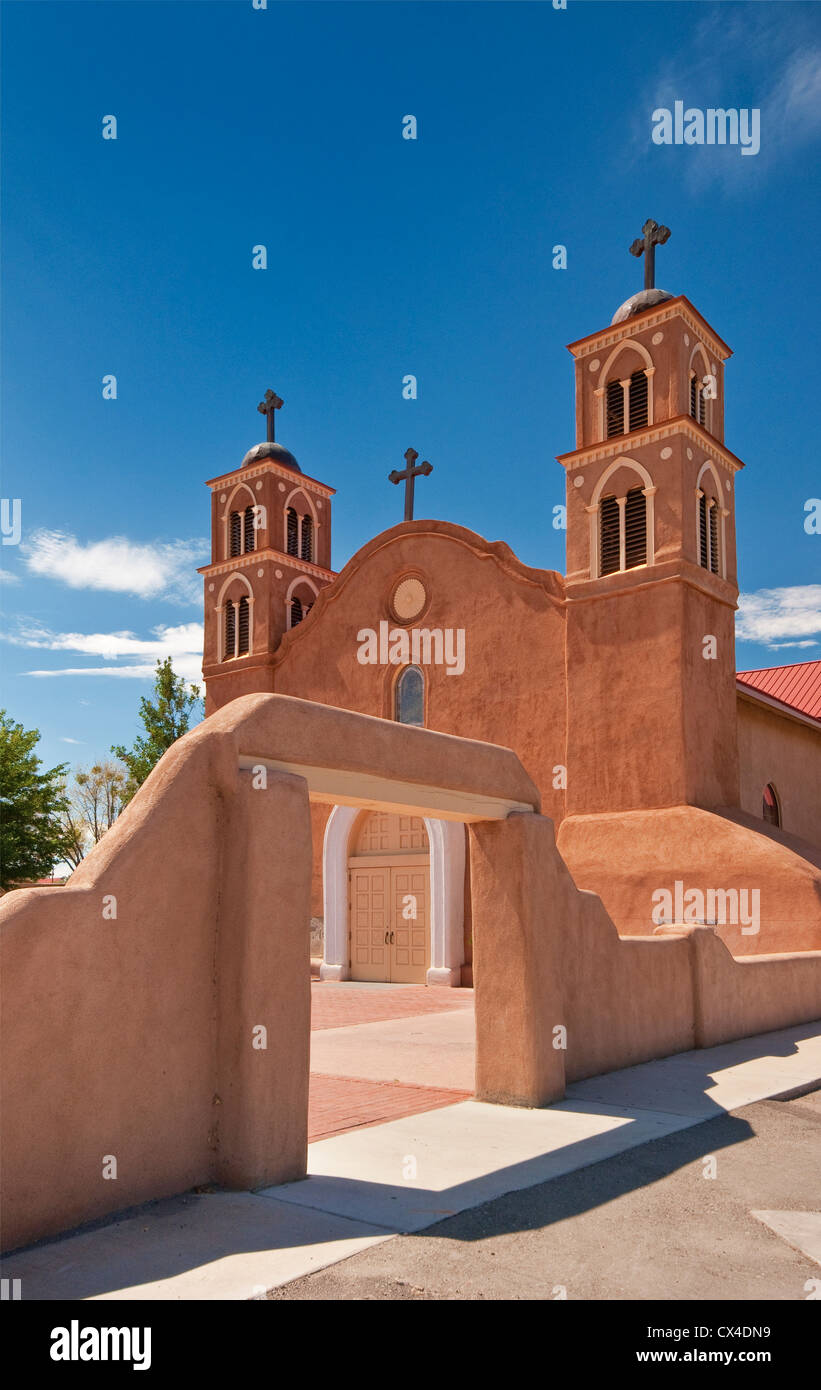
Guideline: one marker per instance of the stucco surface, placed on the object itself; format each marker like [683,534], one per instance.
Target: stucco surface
[774,748]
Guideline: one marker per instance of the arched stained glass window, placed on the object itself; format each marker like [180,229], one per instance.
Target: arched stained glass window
[410,697]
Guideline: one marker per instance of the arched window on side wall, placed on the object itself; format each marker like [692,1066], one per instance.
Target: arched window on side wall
[770,809]
[409,697]
[622,532]
[249,530]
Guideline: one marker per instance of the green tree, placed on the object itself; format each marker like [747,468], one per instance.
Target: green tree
[165,718]
[96,797]
[32,804]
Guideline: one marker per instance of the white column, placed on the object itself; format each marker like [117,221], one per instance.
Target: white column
[599,392]
[622,503]
[625,386]
[650,523]
[335,893]
[447,901]
[649,372]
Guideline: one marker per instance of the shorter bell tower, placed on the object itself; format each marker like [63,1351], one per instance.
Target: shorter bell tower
[270,556]
[651,561]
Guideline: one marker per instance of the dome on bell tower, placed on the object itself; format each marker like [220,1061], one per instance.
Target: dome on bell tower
[637,303]
[271,450]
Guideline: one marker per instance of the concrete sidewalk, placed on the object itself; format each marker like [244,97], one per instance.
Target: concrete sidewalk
[367,1186]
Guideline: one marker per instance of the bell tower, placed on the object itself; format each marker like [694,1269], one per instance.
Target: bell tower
[270,556]
[651,562]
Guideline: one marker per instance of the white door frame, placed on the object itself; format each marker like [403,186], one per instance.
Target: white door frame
[447,897]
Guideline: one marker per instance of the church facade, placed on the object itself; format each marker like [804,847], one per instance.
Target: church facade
[681,791]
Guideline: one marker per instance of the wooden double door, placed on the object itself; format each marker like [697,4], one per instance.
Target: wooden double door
[389,901]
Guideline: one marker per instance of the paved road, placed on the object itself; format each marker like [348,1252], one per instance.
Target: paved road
[644,1224]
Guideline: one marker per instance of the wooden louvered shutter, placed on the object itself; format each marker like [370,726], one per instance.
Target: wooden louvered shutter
[249,529]
[296,611]
[693,395]
[714,538]
[608,535]
[638,400]
[615,408]
[293,531]
[702,531]
[307,538]
[229,631]
[702,407]
[635,529]
[236,534]
[243,644]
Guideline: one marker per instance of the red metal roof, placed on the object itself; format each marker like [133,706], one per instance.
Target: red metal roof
[798,686]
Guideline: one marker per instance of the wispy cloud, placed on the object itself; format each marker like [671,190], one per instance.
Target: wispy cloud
[164,570]
[71,740]
[7,577]
[742,57]
[780,617]
[183,644]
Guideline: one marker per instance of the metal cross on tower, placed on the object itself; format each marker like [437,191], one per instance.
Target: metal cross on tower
[652,236]
[267,407]
[408,476]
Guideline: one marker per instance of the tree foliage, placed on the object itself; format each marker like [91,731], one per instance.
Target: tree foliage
[32,805]
[165,718]
[95,798]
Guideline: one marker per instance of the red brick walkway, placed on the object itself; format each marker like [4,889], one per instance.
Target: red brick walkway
[340,1103]
[334,1006]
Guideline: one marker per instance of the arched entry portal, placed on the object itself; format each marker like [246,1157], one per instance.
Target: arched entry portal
[388,898]
[446,879]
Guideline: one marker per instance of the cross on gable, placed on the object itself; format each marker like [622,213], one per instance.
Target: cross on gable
[408,475]
[266,407]
[652,235]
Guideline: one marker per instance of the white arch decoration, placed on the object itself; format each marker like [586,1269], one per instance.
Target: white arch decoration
[447,877]
[226,517]
[300,579]
[708,413]
[649,491]
[709,467]
[649,372]
[316,522]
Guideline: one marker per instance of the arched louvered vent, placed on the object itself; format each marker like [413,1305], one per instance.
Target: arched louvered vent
[243,639]
[635,529]
[229,632]
[296,612]
[702,532]
[292,532]
[714,539]
[698,405]
[608,535]
[235,547]
[770,809]
[638,400]
[307,538]
[249,530]
[615,408]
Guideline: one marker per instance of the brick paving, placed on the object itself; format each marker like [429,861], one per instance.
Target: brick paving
[335,1006]
[338,1104]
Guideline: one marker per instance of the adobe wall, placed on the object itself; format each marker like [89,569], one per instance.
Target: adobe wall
[774,748]
[132,1036]
[626,857]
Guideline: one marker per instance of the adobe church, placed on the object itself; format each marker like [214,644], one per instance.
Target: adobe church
[680,790]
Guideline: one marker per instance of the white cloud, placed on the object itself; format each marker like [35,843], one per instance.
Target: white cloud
[6,577]
[183,644]
[158,570]
[71,740]
[780,617]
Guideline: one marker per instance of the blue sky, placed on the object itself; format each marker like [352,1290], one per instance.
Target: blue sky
[282,127]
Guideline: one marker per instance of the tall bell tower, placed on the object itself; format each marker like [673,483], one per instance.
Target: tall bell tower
[270,556]
[651,561]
